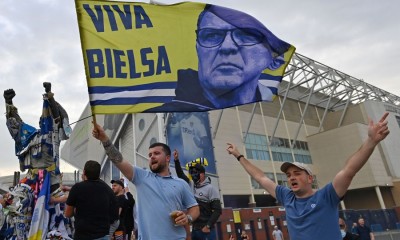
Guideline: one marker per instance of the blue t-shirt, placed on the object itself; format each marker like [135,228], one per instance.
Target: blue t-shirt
[315,217]
[157,197]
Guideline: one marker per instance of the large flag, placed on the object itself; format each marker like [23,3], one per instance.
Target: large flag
[41,215]
[183,57]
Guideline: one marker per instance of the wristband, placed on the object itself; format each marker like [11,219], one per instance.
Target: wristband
[239,157]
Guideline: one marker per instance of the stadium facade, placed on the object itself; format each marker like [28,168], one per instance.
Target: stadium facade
[320,118]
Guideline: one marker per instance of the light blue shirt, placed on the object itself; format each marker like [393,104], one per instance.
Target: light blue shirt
[315,217]
[157,197]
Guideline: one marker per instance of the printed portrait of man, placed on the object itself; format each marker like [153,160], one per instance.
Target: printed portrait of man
[233,50]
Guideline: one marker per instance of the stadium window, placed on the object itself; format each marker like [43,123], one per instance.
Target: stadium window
[256,147]
[306,146]
[282,179]
[286,142]
[287,157]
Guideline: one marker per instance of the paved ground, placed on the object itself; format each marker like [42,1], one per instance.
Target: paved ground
[388,235]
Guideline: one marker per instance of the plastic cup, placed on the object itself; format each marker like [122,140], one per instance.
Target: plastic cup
[174,215]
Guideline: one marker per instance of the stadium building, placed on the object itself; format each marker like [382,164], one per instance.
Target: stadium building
[319,118]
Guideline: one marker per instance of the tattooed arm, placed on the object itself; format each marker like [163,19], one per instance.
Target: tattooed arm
[112,152]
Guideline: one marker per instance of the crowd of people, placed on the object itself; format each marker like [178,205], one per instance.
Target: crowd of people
[232,55]
[310,213]
[104,212]
[358,231]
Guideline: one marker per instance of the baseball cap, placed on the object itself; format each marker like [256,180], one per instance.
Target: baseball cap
[300,165]
[119,182]
[199,168]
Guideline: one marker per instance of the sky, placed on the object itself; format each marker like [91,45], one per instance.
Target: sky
[39,42]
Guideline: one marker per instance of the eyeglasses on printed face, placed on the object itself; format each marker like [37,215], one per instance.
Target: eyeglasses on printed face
[211,37]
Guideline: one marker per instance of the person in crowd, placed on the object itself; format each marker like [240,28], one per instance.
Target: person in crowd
[314,213]
[207,197]
[129,218]
[122,203]
[91,203]
[346,235]
[244,235]
[354,228]
[165,201]
[277,233]
[363,231]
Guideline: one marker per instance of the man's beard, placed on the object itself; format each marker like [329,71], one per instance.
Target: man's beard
[158,169]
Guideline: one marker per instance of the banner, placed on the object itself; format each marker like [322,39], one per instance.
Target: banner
[184,57]
[189,133]
[41,215]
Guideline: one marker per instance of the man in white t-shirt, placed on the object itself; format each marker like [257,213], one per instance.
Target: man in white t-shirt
[277,234]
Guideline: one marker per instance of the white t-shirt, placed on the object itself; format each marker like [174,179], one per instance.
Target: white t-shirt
[277,234]
[191,128]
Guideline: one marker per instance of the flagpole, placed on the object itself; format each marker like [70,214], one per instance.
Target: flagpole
[94,119]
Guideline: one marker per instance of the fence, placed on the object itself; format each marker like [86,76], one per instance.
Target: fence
[259,222]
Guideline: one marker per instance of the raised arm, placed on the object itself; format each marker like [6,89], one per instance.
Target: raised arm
[112,152]
[216,210]
[376,133]
[178,168]
[254,171]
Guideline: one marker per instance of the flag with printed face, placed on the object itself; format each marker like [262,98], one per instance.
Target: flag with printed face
[41,215]
[183,57]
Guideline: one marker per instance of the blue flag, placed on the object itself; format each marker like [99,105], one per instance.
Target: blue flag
[41,215]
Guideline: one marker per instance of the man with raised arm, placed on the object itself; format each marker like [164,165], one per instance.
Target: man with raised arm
[310,213]
[159,193]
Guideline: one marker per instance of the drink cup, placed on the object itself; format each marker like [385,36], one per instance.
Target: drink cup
[174,215]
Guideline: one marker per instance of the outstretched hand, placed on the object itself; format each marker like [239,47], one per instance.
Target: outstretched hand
[99,133]
[232,149]
[378,131]
[9,94]
[176,154]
